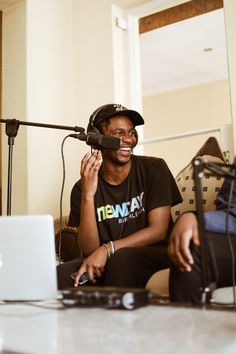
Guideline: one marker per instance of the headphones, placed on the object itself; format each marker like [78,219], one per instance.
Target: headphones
[92,129]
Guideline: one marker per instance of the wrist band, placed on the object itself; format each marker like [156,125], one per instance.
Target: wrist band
[107,249]
[112,247]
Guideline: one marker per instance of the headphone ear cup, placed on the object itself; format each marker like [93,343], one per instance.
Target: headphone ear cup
[93,130]
[90,127]
[136,136]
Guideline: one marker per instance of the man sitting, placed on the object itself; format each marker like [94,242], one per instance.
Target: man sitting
[184,248]
[121,206]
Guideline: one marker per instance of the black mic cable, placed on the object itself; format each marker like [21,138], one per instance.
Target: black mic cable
[61,197]
[81,136]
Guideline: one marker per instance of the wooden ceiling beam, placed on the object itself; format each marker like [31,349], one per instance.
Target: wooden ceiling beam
[178,13]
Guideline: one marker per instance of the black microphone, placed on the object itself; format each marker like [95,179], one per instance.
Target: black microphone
[98,141]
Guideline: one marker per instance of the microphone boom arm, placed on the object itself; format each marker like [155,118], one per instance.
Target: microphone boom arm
[11,130]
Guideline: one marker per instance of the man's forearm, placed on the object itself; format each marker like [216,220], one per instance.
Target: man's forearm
[88,231]
[145,237]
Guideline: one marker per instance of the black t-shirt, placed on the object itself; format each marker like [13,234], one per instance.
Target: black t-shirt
[123,209]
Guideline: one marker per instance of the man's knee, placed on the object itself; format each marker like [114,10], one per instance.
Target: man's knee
[120,268]
[64,271]
[123,259]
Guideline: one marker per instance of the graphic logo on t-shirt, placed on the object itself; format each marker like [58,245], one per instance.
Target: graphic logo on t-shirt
[123,212]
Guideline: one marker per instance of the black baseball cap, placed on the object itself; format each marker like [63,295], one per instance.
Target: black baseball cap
[110,110]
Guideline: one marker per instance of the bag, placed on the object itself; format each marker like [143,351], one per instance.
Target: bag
[66,244]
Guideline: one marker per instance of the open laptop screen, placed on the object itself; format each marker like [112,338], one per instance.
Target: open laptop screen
[27,258]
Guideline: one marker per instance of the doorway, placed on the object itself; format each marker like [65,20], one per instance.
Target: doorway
[167,117]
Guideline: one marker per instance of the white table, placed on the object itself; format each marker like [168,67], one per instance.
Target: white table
[151,329]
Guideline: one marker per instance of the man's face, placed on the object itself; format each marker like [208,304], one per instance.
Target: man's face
[120,127]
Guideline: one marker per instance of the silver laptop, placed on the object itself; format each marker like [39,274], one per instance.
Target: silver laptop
[27,258]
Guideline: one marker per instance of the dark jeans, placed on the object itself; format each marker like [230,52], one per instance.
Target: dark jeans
[186,287]
[127,267]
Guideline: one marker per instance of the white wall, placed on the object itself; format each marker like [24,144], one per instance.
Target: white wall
[230,15]
[92,40]
[184,111]
[14,103]
[38,87]
[193,108]
[61,55]
[51,100]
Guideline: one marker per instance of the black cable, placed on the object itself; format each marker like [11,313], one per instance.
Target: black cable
[40,304]
[61,197]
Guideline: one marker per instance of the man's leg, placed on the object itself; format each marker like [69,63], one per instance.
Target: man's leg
[133,266]
[64,271]
[186,286]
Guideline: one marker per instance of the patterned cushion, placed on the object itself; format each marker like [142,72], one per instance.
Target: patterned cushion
[210,188]
[211,150]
